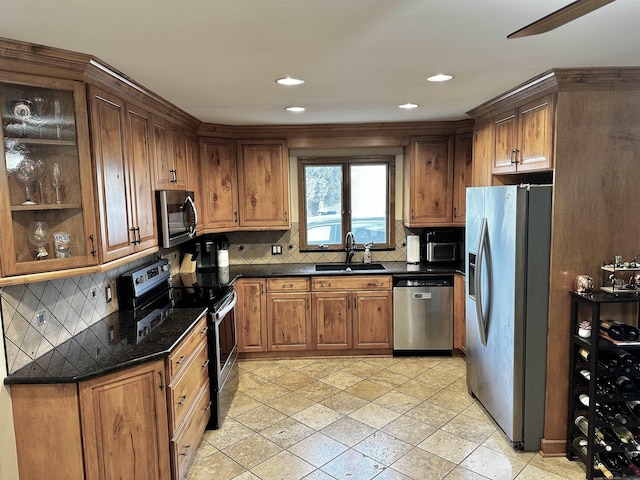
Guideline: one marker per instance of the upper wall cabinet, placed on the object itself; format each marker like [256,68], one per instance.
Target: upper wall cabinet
[46,205]
[194,182]
[121,136]
[428,181]
[462,174]
[523,138]
[169,154]
[219,184]
[263,180]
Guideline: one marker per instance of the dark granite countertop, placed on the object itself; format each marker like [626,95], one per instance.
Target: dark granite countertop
[221,277]
[107,346]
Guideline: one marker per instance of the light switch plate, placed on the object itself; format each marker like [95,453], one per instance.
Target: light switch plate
[276,249]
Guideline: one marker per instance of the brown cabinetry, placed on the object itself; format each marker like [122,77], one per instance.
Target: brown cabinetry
[289,314]
[251,315]
[482,154]
[462,173]
[459,306]
[219,184]
[141,423]
[45,178]
[169,153]
[352,312]
[124,424]
[121,136]
[428,181]
[263,183]
[189,398]
[523,138]
[194,182]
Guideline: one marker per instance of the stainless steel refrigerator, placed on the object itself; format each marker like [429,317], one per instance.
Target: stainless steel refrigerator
[507,247]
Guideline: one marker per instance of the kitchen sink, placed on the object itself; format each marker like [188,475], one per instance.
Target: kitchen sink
[344,267]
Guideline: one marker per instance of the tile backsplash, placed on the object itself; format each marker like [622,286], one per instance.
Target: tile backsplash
[255,248]
[69,306]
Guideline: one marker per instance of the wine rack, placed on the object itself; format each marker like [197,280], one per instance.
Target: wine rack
[598,349]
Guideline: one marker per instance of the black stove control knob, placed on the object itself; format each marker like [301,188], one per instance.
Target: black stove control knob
[140,280]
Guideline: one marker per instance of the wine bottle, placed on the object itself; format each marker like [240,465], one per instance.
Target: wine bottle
[625,385]
[613,331]
[583,398]
[619,331]
[598,465]
[624,357]
[583,425]
[618,464]
[626,437]
[634,406]
[627,459]
[611,413]
[586,374]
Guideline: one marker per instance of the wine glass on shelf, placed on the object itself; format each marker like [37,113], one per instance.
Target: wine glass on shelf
[56,180]
[26,174]
[57,114]
[39,104]
[39,236]
[41,173]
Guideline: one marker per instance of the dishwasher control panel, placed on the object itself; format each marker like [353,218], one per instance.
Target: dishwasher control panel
[440,281]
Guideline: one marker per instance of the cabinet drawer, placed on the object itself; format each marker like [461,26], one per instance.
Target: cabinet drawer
[180,356]
[185,443]
[183,389]
[360,282]
[288,284]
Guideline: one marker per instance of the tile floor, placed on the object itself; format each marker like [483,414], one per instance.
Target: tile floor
[363,418]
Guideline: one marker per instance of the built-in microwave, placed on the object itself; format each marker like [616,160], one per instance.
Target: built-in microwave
[177,217]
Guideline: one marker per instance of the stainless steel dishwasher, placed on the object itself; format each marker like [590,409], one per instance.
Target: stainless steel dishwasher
[423,314]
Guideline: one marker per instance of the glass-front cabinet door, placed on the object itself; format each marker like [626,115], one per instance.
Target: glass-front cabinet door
[45,179]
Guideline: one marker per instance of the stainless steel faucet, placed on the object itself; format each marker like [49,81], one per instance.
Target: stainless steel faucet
[350,243]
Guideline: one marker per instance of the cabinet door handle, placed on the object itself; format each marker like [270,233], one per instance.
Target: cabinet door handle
[287,285]
[235,217]
[179,362]
[138,240]
[203,331]
[286,216]
[374,284]
[161,380]
[133,231]
[206,364]
[208,407]
[174,176]
[93,245]
[186,450]
[348,303]
[184,399]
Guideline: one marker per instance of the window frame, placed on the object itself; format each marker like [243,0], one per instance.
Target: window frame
[345,162]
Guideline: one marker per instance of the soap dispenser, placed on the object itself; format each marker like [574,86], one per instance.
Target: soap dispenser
[367,253]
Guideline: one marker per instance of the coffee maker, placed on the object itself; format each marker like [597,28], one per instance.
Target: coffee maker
[205,254]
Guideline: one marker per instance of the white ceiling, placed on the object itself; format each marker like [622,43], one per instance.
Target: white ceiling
[218,59]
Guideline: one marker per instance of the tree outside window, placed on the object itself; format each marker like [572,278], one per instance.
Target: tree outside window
[338,195]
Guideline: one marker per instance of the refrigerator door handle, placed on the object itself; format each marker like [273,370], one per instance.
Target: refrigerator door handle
[482,324]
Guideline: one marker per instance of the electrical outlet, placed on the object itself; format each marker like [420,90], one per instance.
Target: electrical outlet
[108,293]
[93,294]
[42,319]
[276,249]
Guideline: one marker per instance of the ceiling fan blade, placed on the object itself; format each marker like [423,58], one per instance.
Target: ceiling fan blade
[560,17]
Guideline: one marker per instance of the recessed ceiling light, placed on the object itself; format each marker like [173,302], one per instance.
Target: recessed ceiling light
[409,106]
[295,109]
[441,77]
[289,81]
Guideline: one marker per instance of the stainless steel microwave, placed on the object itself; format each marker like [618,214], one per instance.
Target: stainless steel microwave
[441,251]
[177,217]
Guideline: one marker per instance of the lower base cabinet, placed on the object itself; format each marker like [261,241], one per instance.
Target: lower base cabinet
[121,425]
[459,319]
[124,424]
[314,313]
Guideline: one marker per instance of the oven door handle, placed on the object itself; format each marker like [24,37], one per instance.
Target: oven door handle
[226,306]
